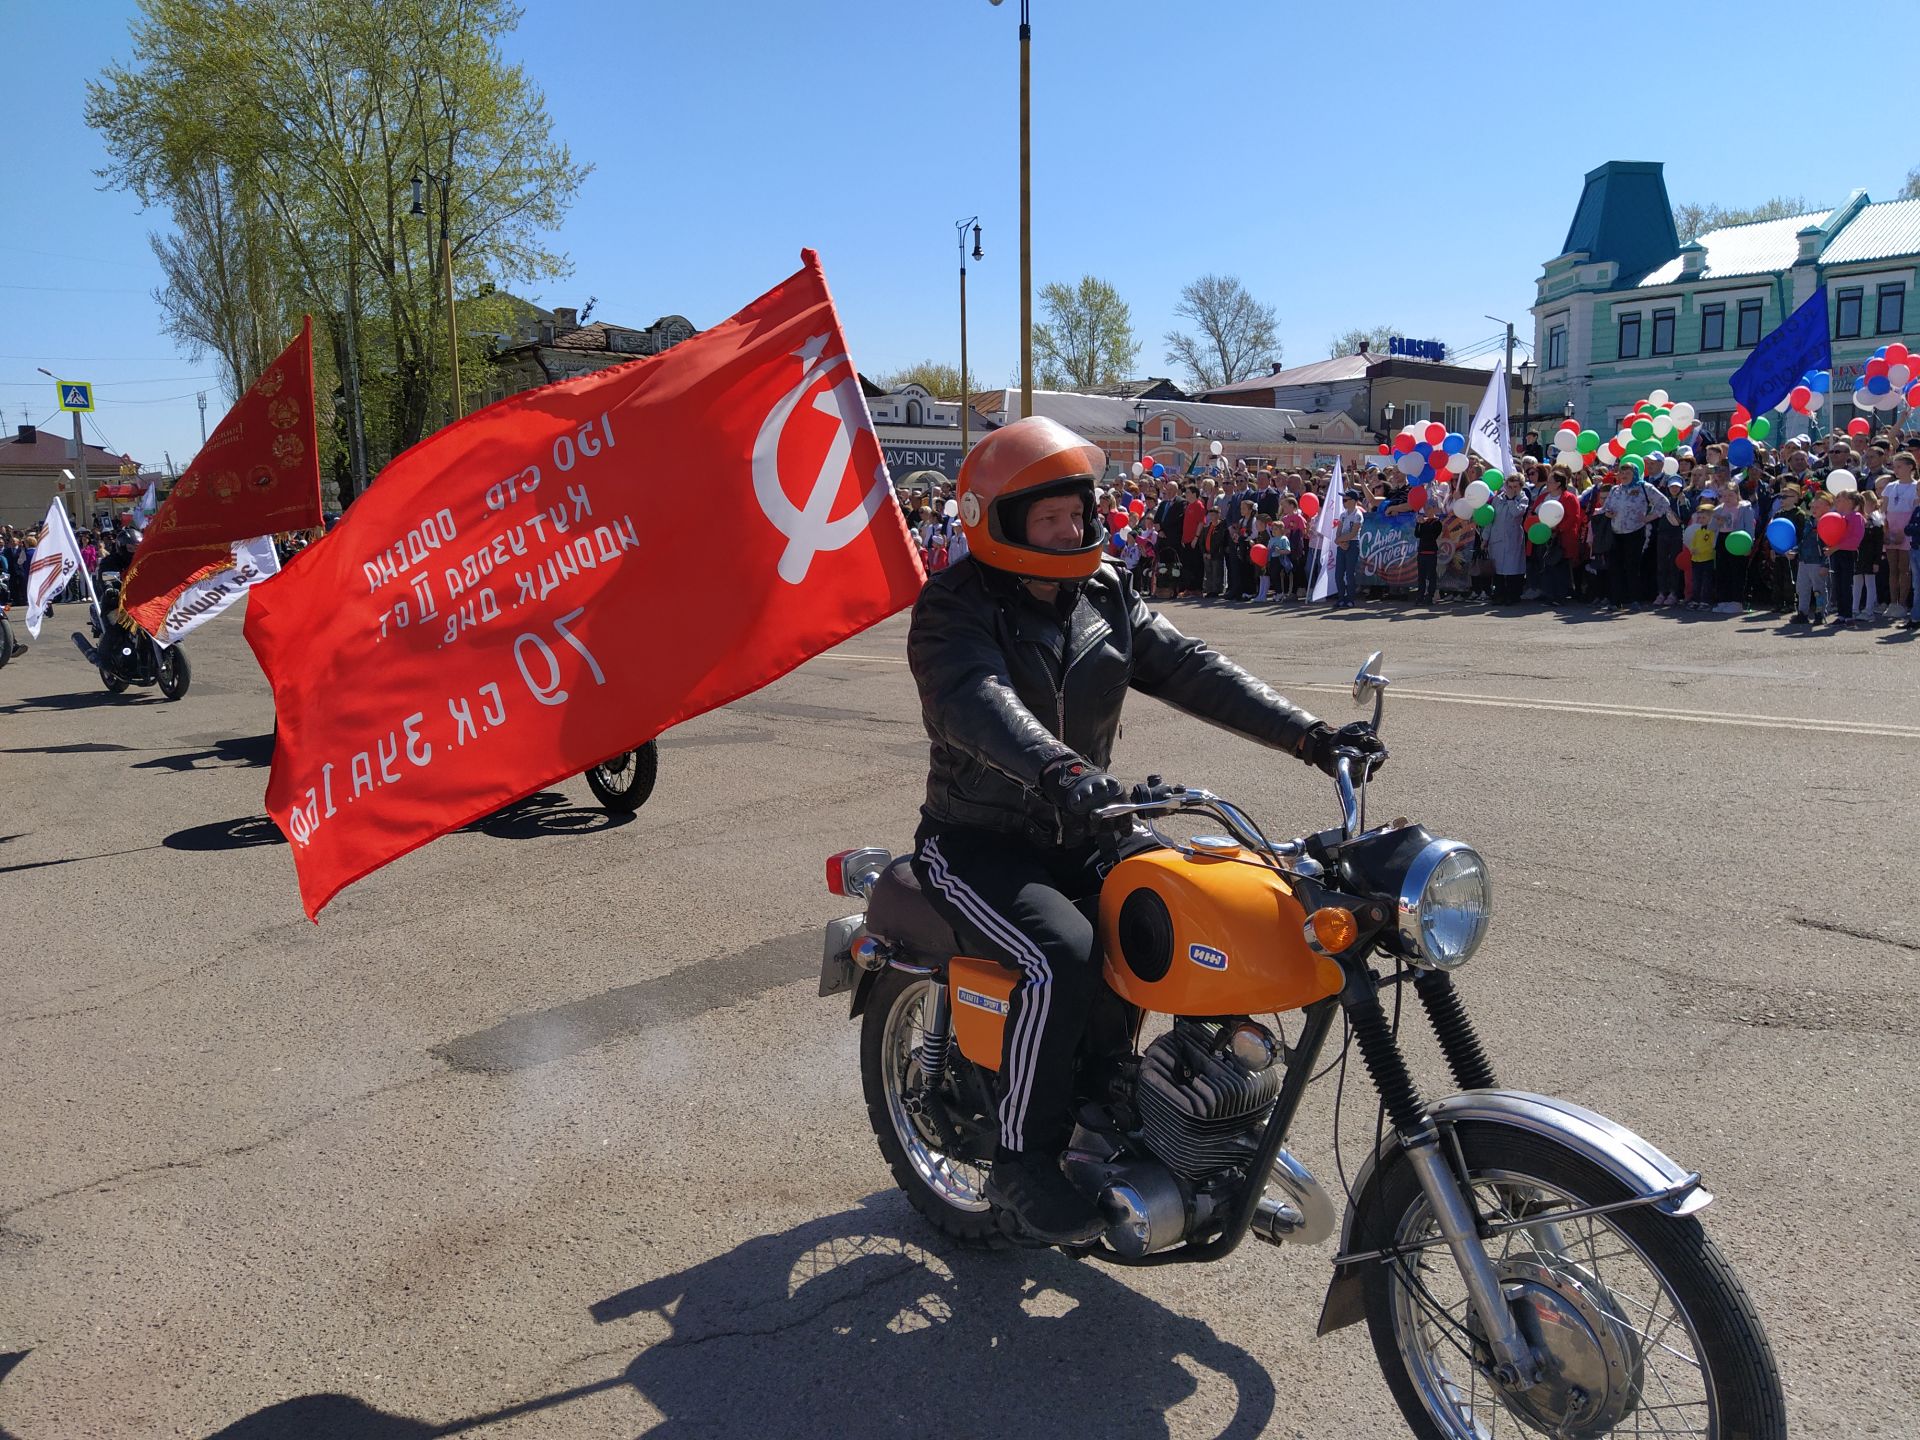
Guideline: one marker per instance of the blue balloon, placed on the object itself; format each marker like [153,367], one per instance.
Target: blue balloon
[1781,535]
[1454,444]
[1819,381]
[1423,449]
[1879,385]
[1740,452]
[1881,353]
[1159,471]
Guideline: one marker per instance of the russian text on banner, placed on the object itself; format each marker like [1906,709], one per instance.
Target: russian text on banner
[258,474]
[565,574]
[55,561]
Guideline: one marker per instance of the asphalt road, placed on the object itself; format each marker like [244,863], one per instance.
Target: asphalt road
[543,1131]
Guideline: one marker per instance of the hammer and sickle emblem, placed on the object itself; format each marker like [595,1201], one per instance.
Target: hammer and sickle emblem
[811,528]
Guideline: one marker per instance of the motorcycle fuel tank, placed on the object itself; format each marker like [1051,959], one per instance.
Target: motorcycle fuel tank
[1208,933]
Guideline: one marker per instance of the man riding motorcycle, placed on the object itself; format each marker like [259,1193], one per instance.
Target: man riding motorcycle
[1023,653]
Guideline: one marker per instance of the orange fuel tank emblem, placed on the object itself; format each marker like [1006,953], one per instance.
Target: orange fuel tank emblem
[1200,934]
[980,991]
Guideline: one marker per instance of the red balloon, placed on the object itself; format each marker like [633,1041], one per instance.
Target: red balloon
[1386,449]
[1898,354]
[1859,425]
[1309,505]
[1403,443]
[1137,507]
[1876,366]
[1741,415]
[1798,397]
[1736,432]
[1258,554]
[1117,520]
[1436,433]
[1832,527]
[1417,497]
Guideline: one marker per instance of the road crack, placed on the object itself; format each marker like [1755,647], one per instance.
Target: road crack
[1833,927]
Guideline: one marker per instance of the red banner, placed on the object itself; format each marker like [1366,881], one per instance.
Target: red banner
[567,573]
[258,475]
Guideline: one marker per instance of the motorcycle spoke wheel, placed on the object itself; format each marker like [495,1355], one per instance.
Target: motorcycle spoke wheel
[1668,1391]
[959,1183]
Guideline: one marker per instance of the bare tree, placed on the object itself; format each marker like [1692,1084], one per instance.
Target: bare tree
[1911,190]
[1349,342]
[1237,334]
[934,376]
[1691,220]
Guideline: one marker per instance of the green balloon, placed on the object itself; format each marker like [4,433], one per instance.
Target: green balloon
[1540,532]
[1494,479]
[1740,542]
[1643,429]
[1634,463]
[1589,442]
[1483,516]
[1759,429]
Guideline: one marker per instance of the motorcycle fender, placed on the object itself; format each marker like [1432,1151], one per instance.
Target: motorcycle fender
[1636,1163]
[861,989]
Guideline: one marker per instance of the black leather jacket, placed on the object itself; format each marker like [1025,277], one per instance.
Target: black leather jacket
[1007,686]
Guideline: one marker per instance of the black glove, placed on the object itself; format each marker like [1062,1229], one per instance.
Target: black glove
[1078,788]
[1325,743]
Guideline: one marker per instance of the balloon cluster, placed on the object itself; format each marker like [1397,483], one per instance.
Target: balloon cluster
[1156,470]
[1892,375]
[1574,447]
[1653,427]
[1476,501]
[1424,452]
[1810,394]
[1743,434]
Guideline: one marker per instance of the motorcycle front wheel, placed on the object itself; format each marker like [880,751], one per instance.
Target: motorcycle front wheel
[174,673]
[115,685]
[622,784]
[6,641]
[1644,1326]
[949,1190]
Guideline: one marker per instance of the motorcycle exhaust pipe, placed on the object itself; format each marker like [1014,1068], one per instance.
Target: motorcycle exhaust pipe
[80,643]
[1299,1213]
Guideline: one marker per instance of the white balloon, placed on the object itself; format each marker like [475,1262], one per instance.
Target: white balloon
[1899,375]
[1457,463]
[1841,482]
[1815,401]
[1670,466]
[1552,512]
[1663,425]
[1463,508]
[1658,397]
[1862,400]
[1478,493]
[1682,414]
[1138,469]
[1214,448]
[950,509]
[1412,463]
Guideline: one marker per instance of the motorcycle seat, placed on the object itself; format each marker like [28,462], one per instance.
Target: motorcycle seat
[900,913]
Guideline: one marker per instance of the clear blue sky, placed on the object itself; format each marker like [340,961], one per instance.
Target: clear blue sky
[1309,149]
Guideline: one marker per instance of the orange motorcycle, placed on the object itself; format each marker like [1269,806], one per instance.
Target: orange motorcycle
[1513,1255]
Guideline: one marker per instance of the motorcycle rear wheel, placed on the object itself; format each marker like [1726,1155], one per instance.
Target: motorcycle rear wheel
[115,685]
[623,784]
[948,1191]
[1641,1304]
[174,673]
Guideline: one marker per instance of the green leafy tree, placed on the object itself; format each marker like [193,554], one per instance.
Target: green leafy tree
[1349,342]
[1086,337]
[937,378]
[1691,220]
[314,117]
[1237,334]
[1911,190]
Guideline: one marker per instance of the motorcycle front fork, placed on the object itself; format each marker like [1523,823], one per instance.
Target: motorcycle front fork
[1515,1363]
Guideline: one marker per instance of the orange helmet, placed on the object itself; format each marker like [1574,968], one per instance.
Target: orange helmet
[1005,473]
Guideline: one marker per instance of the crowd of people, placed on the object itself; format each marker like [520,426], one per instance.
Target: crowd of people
[1705,537]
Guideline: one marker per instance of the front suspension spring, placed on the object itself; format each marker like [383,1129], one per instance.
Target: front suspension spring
[936,1038]
[1386,1064]
[1458,1042]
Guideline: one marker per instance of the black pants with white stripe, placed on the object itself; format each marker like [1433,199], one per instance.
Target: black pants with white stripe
[1028,907]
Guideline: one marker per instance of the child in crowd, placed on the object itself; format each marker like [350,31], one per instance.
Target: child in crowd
[1844,555]
[1873,549]
[1810,567]
[1426,535]
[1700,538]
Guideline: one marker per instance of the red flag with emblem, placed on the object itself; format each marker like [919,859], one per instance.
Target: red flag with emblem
[258,475]
[565,574]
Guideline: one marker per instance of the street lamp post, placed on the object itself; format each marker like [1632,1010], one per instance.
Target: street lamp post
[1140,431]
[966,385]
[445,183]
[1526,394]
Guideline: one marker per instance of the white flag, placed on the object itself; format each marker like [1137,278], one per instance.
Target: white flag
[144,507]
[56,560]
[253,561]
[1491,437]
[1324,525]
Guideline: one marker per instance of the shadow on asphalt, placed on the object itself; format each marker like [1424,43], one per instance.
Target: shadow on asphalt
[546,813]
[237,752]
[853,1326]
[79,700]
[242,834]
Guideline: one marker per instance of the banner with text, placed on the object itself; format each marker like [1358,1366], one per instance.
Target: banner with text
[1388,551]
[565,574]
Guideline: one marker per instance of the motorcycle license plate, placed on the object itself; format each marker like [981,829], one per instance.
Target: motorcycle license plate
[837,970]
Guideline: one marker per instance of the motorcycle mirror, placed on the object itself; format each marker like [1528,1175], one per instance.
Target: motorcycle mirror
[1371,681]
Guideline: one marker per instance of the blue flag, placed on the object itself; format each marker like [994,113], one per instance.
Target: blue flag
[1777,363]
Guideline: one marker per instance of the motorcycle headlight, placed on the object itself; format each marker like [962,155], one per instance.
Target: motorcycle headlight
[1445,902]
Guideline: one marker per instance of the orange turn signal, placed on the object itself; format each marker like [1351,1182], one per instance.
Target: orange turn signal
[1332,929]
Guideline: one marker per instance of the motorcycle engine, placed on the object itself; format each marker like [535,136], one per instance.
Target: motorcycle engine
[1201,1109]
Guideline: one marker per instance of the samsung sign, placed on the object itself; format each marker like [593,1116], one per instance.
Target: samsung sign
[1416,349]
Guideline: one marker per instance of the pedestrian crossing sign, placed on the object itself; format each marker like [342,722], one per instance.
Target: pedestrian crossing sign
[76,395]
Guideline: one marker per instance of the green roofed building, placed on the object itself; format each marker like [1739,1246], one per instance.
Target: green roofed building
[1625,308]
